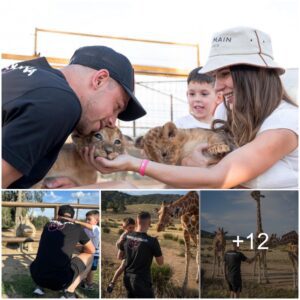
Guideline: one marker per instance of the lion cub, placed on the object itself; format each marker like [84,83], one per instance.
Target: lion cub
[169,145]
[109,143]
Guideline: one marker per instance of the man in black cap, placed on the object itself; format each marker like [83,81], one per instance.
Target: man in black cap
[54,268]
[41,106]
[138,249]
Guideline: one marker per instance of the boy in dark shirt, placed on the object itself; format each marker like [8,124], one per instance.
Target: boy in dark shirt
[54,268]
[232,269]
[139,249]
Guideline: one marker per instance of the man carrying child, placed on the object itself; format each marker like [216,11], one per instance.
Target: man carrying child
[138,249]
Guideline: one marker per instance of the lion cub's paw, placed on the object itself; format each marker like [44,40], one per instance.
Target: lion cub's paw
[218,149]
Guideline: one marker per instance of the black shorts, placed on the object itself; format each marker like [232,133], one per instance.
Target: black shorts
[95,263]
[138,287]
[57,280]
[234,284]
[78,266]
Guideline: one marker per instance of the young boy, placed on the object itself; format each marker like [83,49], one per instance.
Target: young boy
[91,228]
[202,100]
[128,226]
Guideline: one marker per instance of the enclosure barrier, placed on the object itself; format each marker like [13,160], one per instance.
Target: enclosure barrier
[48,205]
[139,69]
[7,239]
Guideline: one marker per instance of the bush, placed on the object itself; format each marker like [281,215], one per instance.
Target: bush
[181,241]
[40,221]
[106,230]
[168,236]
[172,228]
[120,231]
[161,276]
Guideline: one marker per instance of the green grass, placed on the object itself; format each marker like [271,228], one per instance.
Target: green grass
[217,288]
[22,286]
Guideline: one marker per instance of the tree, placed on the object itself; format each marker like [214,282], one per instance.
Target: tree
[12,217]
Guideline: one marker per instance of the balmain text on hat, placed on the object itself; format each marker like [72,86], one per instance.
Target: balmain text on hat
[240,45]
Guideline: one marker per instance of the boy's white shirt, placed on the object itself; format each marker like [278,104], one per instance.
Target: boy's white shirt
[190,121]
[94,235]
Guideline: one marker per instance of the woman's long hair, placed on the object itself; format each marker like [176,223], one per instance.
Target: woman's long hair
[257,93]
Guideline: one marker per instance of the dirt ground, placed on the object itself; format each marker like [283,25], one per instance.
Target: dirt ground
[14,261]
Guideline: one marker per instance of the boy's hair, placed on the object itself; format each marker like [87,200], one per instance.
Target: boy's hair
[200,78]
[94,213]
[128,221]
[66,209]
[144,215]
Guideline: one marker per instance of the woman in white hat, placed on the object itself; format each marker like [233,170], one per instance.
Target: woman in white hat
[260,115]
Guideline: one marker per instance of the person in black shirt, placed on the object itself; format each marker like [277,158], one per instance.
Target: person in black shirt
[54,268]
[232,269]
[139,249]
[42,106]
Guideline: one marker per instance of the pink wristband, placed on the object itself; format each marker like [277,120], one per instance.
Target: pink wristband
[143,166]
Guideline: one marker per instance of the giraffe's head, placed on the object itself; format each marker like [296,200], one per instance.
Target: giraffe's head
[256,195]
[273,241]
[220,233]
[166,213]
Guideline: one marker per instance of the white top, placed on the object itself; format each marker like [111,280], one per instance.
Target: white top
[220,112]
[190,122]
[94,235]
[284,173]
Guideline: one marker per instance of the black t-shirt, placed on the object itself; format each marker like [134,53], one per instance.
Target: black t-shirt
[233,260]
[139,249]
[51,267]
[39,111]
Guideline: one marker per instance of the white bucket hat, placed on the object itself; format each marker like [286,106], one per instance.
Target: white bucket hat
[241,45]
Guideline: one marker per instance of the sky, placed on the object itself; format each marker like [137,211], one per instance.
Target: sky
[188,21]
[235,211]
[57,196]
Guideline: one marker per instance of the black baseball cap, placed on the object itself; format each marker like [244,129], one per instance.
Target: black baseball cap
[120,69]
[66,209]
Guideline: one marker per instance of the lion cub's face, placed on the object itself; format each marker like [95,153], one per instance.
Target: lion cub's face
[161,144]
[109,142]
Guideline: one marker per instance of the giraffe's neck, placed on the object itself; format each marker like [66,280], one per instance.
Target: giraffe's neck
[184,205]
[259,223]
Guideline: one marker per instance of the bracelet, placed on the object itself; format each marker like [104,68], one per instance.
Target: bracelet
[143,166]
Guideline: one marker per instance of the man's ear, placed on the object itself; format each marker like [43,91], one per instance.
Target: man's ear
[99,78]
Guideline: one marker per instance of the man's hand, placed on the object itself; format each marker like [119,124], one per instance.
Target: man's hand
[58,183]
[196,158]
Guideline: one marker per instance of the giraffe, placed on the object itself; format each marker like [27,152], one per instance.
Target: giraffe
[219,245]
[262,256]
[291,239]
[187,209]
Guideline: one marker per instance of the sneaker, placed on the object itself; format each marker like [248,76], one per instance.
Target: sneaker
[39,291]
[110,287]
[67,294]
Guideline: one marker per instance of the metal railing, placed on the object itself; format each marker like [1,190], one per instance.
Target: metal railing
[55,206]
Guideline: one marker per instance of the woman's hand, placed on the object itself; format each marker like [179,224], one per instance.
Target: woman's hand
[196,158]
[123,162]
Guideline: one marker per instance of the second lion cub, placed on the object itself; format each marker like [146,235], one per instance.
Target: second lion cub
[169,144]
